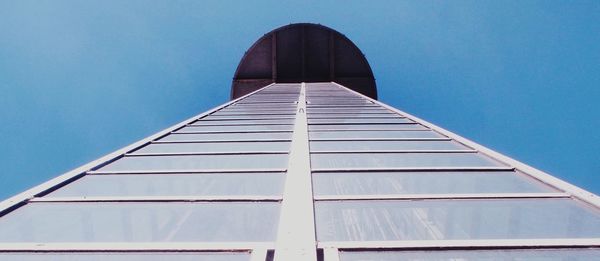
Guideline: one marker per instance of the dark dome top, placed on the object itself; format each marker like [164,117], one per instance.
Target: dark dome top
[303,53]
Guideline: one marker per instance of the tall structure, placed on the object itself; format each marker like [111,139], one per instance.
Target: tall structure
[302,170]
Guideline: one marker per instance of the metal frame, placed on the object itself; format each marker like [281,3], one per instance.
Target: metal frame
[462,244]
[440,196]
[237,198]
[296,236]
[546,178]
[219,141]
[194,171]
[136,247]
[331,249]
[258,250]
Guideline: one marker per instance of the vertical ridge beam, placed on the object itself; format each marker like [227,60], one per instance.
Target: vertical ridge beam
[274,57]
[296,238]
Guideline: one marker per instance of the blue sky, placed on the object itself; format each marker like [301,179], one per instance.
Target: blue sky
[80,79]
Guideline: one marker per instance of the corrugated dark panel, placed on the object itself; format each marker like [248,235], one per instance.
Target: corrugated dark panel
[289,55]
[303,53]
[317,58]
[258,63]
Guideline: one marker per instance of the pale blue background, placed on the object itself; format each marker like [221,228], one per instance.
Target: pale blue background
[79,79]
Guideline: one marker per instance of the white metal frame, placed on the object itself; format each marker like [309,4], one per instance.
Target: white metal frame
[296,238]
[521,167]
[258,250]
[331,249]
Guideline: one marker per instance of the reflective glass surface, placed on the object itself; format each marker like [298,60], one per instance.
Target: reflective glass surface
[352,115]
[247,117]
[384,145]
[207,147]
[290,112]
[228,136]
[242,122]
[476,255]
[315,135]
[358,121]
[198,162]
[126,256]
[399,160]
[237,128]
[140,222]
[263,106]
[375,109]
[341,106]
[222,184]
[375,127]
[461,182]
[455,219]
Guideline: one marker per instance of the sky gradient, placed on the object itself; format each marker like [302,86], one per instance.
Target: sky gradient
[80,79]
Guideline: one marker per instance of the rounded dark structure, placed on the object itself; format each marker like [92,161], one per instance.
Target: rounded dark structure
[303,53]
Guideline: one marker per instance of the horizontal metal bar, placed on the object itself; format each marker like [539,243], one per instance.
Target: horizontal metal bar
[356,123]
[237,131]
[499,168]
[380,139]
[242,119]
[463,244]
[365,112]
[236,198]
[136,247]
[389,151]
[134,154]
[334,106]
[241,124]
[368,130]
[393,116]
[194,171]
[377,130]
[439,196]
[228,113]
[219,141]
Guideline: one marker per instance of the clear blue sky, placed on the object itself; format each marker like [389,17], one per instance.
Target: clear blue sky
[79,79]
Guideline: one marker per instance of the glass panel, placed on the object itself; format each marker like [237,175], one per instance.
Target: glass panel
[229,136]
[242,122]
[199,162]
[140,222]
[237,128]
[265,109]
[247,117]
[359,121]
[344,106]
[399,160]
[351,115]
[347,110]
[255,112]
[385,145]
[476,255]
[258,184]
[316,135]
[266,106]
[381,183]
[368,127]
[455,219]
[207,147]
[330,102]
[126,256]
